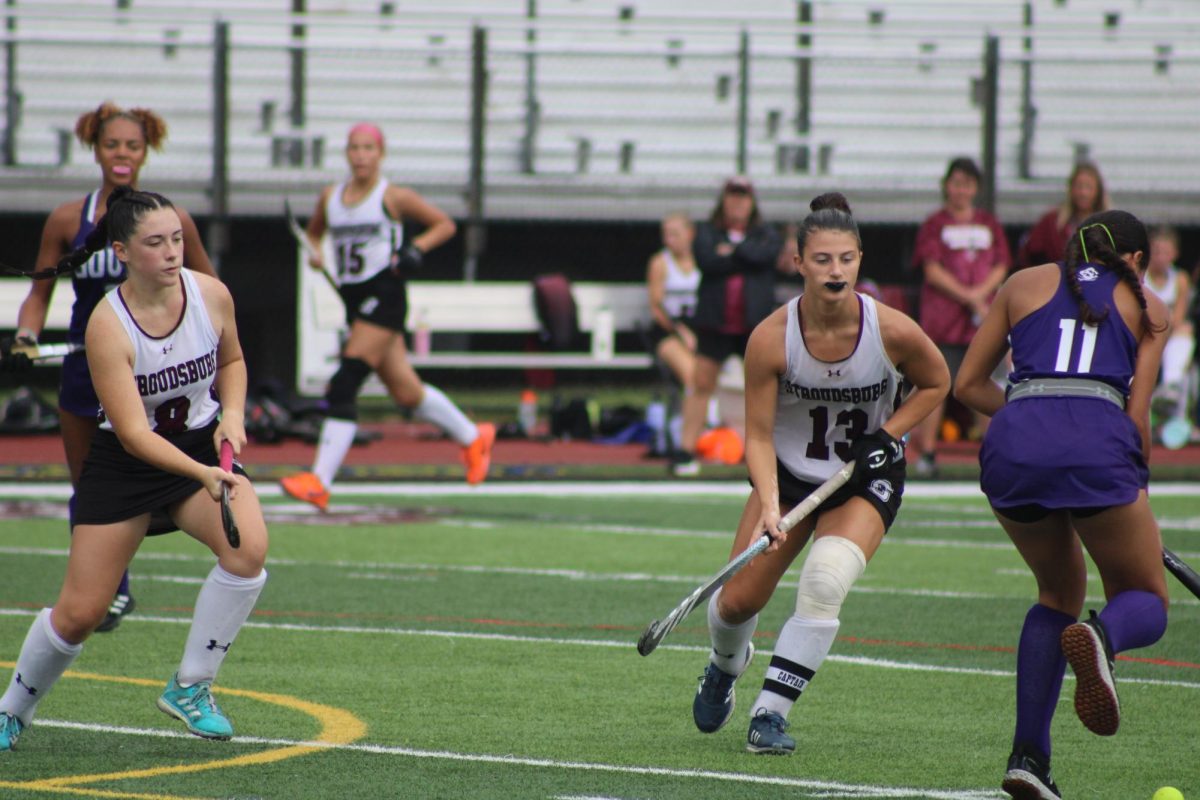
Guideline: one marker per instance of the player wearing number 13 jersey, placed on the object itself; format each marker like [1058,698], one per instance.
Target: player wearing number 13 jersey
[1064,462]
[822,388]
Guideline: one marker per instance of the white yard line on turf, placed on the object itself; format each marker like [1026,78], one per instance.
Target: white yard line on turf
[140,618]
[859,790]
[732,488]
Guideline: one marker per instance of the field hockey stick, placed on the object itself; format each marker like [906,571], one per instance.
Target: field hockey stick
[37,352]
[658,629]
[1179,568]
[301,237]
[227,520]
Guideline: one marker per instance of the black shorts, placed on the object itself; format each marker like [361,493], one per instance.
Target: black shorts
[382,301]
[657,334]
[114,486]
[883,493]
[720,346]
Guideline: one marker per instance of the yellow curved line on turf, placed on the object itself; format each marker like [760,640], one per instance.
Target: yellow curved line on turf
[337,727]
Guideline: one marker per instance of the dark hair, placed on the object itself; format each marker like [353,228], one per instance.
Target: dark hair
[1102,239]
[963,164]
[717,217]
[830,212]
[123,211]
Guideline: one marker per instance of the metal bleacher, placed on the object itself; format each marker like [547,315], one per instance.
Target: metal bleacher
[621,108]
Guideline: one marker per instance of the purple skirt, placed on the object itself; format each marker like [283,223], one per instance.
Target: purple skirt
[1062,452]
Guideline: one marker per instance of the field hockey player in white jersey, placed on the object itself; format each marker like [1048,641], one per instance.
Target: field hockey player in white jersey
[364,217]
[162,347]
[823,386]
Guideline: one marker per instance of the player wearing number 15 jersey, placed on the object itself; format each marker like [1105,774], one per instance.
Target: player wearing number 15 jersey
[822,387]
[1064,460]
[157,348]
[363,218]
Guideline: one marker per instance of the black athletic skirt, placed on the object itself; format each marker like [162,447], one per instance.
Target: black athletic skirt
[115,486]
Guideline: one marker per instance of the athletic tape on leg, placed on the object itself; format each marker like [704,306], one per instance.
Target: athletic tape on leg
[834,563]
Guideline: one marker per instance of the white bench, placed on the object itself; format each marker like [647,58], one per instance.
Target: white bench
[13,292]
[478,307]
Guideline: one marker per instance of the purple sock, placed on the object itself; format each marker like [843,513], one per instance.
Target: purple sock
[1040,668]
[124,587]
[1134,619]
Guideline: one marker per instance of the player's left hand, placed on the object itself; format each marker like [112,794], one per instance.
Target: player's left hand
[768,523]
[15,361]
[874,455]
[408,258]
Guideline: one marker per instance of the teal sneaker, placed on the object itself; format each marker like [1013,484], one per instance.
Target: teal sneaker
[195,706]
[10,731]
[768,734]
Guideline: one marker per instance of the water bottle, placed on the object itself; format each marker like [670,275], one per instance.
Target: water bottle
[422,336]
[527,412]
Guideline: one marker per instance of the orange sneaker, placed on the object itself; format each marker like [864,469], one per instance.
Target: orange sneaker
[478,455]
[307,487]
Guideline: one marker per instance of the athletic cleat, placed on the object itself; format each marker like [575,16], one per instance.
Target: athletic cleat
[1086,647]
[768,734]
[926,466]
[195,706]
[1028,776]
[713,705]
[684,464]
[307,487]
[478,455]
[10,731]
[122,606]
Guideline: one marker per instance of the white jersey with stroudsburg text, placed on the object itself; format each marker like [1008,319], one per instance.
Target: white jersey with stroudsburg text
[364,234]
[174,373]
[824,405]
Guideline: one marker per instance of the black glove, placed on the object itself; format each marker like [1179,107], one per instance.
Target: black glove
[874,456]
[408,259]
[15,362]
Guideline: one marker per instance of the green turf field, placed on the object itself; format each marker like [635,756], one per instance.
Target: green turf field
[482,646]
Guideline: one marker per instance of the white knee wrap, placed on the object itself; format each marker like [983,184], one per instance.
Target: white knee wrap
[833,565]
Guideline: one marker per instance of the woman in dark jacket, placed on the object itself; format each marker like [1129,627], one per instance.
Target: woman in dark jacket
[735,253]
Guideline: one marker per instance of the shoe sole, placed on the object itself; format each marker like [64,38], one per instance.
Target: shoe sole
[1096,701]
[1022,785]
[769,751]
[171,711]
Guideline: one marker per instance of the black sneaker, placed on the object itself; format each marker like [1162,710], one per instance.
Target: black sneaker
[1085,644]
[122,605]
[1028,775]
[768,735]
[684,464]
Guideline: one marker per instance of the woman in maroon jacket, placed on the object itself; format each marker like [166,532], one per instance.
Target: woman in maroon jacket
[1047,240]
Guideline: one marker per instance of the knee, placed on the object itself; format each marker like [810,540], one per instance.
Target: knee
[344,387]
[735,607]
[408,395]
[834,563]
[74,619]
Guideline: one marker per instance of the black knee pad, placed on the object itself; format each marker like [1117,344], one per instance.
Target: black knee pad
[344,386]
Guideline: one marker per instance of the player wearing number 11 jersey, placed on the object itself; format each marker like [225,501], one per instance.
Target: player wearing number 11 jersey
[1064,461]
[823,381]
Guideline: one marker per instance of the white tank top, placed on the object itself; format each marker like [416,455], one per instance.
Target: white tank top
[364,235]
[823,405]
[174,373]
[679,290]
[1166,293]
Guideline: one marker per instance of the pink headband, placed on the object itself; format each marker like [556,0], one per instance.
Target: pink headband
[369,129]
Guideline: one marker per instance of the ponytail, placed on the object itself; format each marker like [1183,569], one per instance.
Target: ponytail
[1102,239]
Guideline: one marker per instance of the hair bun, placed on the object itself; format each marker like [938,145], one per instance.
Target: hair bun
[835,200]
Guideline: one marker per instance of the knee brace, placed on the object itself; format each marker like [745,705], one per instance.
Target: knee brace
[344,386]
[833,565]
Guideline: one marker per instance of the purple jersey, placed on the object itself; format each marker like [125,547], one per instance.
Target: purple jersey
[1067,452]
[91,281]
[1053,342]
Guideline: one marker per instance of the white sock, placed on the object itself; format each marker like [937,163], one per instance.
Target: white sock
[729,642]
[713,417]
[1176,357]
[337,435]
[224,603]
[802,646]
[435,407]
[44,657]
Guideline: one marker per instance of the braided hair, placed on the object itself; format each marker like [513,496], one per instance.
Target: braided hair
[829,212]
[1102,239]
[124,209]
